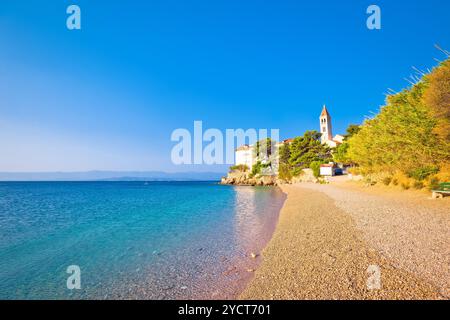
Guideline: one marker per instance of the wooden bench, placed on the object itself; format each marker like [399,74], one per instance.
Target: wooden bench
[443,189]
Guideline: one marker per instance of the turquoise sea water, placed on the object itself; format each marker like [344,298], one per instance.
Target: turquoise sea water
[131,240]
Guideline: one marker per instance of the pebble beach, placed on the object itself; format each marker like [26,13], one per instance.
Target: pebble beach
[330,237]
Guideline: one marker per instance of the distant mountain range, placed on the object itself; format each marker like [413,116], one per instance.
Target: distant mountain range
[111,176]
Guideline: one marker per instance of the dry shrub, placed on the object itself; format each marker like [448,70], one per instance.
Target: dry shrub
[405,185]
[355,171]
[444,173]
[432,182]
[399,178]
[418,185]
[387,180]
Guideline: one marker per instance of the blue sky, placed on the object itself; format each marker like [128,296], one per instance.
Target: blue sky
[108,97]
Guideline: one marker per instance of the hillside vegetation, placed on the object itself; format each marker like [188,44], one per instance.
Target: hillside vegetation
[408,141]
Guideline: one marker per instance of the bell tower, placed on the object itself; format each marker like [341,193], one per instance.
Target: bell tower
[325,125]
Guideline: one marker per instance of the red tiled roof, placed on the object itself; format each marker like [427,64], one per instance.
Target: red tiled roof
[325,112]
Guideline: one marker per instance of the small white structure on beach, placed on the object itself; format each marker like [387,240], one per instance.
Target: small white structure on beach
[327,170]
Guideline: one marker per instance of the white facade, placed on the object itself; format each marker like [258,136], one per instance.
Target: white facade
[327,171]
[244,156]
[338,138]
[331,143]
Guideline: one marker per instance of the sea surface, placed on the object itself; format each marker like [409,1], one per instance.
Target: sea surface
[132,240]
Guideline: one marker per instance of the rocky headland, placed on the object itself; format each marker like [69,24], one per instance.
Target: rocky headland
[246,179]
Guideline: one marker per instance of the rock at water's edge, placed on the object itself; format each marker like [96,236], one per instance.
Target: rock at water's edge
[244,179]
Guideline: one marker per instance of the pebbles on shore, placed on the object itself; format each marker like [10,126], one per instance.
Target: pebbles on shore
[321,251]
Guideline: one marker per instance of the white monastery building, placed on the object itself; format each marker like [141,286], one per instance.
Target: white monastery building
[244,155]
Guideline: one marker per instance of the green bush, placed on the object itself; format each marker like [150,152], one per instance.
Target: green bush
[256,169]
[421,174]
[297,171]
[315,166]
[434,183]
[284,172]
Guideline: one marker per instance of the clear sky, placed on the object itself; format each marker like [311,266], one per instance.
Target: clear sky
[108,96]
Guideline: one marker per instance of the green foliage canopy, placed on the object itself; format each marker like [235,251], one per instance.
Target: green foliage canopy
[303,151]
[407,134]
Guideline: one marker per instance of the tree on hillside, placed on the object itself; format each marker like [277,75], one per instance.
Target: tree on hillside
[285,153]
[352,130]
[307,149]
[340,153]
[284,170]
[263,149]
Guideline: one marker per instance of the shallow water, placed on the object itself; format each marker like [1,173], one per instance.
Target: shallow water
[131,240]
